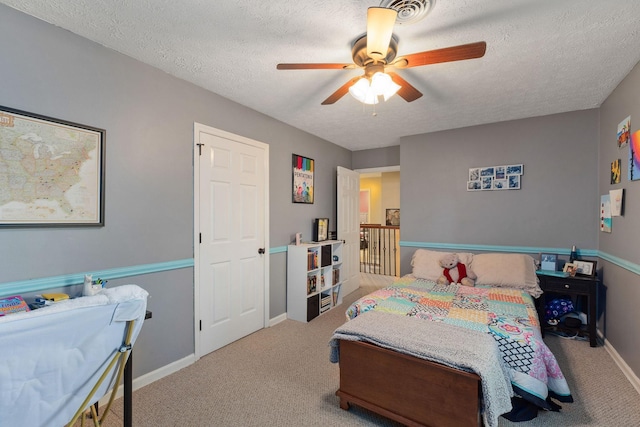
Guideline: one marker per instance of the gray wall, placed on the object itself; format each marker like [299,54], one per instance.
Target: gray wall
[149,117]
[556,207]
[376,158]
[622,285]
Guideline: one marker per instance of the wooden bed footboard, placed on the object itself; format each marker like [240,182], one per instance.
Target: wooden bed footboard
[413,391]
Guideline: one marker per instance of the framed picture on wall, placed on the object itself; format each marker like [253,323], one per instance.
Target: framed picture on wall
[514,182]
[303,170]
[392,217]
[53,169]
[514,170]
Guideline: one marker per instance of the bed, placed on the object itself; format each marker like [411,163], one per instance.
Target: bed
[449,355]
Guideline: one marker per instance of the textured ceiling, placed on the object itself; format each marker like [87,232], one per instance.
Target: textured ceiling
[543,56]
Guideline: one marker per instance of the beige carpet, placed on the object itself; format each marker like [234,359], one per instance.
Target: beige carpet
[281,376]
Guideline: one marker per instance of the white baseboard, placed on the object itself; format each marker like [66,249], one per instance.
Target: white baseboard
[150,377]
[278,319]
[626,370]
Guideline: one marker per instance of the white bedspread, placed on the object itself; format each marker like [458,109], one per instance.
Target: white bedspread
[51,358]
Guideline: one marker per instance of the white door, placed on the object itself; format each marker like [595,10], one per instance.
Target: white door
[349,226]
[231,238]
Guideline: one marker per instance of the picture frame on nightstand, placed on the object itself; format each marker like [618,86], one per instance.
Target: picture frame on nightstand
[548,261]
[585,268]
[569,268]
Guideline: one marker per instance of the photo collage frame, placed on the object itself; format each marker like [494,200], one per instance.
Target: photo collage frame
[487,178]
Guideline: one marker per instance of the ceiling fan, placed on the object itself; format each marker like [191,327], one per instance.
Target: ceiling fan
[376,51]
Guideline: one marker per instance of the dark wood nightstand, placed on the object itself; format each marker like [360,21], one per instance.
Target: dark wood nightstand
[573,286]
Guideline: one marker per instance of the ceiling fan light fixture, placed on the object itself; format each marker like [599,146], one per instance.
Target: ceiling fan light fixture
[367,91]
[380,21]
[382,85]
[363,92]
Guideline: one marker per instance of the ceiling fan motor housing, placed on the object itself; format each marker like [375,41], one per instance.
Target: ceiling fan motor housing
[359,52]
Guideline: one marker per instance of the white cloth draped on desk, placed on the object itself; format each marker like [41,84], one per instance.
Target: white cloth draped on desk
[51,358]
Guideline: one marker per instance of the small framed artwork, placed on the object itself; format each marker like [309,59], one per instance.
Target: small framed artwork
[514,182]
[474,174]
[473,186]
[487,172]
[501,172]
[616,197]
[303,170]
[514,170]
[500,184]
[487,183]
[393,217]
[616,168]
[585,268]
[548,261]
[634,156]
[624,132]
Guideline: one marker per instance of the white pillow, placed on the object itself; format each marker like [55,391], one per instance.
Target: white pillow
[426,263]
[507,270]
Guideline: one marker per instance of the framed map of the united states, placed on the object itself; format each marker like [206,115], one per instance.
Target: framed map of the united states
[51,171]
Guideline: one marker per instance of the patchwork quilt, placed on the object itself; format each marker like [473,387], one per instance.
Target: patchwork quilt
[509,315]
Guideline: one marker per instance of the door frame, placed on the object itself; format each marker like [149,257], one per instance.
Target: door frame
[351,282]
[197,128]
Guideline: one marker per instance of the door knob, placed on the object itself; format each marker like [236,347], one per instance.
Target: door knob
[261,251]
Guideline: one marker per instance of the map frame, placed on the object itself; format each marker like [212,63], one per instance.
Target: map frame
[95,217]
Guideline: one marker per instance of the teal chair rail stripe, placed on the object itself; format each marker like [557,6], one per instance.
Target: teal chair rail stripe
[34,285]
[497,248]
[628,265]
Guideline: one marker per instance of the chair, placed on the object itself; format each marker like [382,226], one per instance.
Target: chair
[57,361]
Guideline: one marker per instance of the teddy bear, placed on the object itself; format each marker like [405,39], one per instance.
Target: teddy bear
[455,272]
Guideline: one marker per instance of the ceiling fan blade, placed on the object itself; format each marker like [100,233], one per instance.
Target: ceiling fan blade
[335,96]
[380,22]
[406,91]
[447,54]
[315,66]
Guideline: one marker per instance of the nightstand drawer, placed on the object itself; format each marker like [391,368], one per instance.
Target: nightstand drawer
[563,285]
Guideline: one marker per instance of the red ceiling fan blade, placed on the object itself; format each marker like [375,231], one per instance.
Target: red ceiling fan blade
[406,91]
[335,96]
[314,66]
[447,54]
